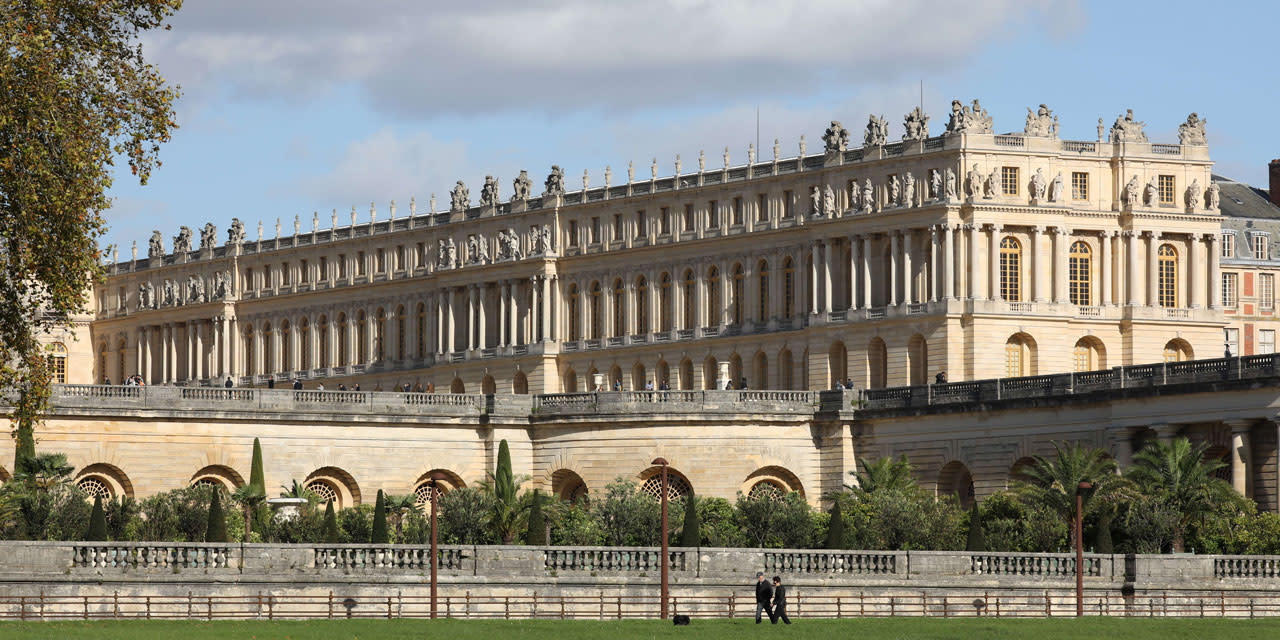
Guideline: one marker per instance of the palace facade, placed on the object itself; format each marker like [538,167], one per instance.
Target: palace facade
[971,253]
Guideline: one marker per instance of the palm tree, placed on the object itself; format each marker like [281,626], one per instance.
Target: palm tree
[1178,474]
[46,471]
[1052,481]
[297,490]
[883,474]
[399,506]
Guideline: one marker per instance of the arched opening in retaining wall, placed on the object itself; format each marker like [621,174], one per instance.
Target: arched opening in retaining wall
[422,489]
[520,384]
[332,483]
[488,386]
[218,475]
[104,479]
[769,479]
[678,486]
[955,479]
[568,485]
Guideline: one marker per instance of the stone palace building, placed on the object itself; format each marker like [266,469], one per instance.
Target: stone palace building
[1075,271]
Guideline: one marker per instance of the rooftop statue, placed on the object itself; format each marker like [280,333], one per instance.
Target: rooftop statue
[1041,123]
[522,186]
[235,235]
[182,241]
[156,248]
[489,192]
[877,132]
[554,185]
[461,197]
[973,119]
[208,237]
[1192,131]
[1126,129]
[836,138]
[916,124]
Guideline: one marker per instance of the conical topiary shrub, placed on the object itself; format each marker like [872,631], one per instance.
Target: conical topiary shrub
[379,535]
[691,529]
[330,531]
[217,529]
[537,534]
[835,530]
[1103,543]
[97,522]
[976,541]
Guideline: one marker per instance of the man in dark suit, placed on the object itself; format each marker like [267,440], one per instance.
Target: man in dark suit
[779,602]
[764,591]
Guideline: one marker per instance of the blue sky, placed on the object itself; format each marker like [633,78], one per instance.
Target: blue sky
[295,107]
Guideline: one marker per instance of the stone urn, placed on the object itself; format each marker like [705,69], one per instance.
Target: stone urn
[285,508]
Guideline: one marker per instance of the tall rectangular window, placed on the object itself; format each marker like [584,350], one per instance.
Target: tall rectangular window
[1009,181]
[1267,341]
[688,217]
[380,261]
[361,264]
[1166,186]
[342,265]
[1231,337]
[788,208]
[249,284]
[737,210]
[642,224]
[713,215]
[665,221]
[762,208]
[1079,185]
[399,258]
[1230,294]
[304,272]
[595,230]
[1261,246]
[573,233]
[284,274]
[1228,245]
[1267,291]
[617,226]
[324,267]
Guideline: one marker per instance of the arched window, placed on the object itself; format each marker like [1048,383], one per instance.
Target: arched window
[713,297]
[1080,274]
[786,379]
[687,295]
[421,338]
[286,348]
[304,344]
[877,364]
[268,350]
[1168,269]
[57,355]
[596,320]
[736,292]
[762,313]
[380,335]
[1088,355]
[1177,350]
[664,303]
[1019,356]
[642,305]
[343,352]
[362,337]
[1010,270]
[619,297]
[250,358]
[575,314]
[788,289]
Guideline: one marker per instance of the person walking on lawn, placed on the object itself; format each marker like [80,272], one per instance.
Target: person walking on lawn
[779,602]
[764,592]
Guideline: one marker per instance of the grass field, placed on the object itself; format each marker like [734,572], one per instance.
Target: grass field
[859,629]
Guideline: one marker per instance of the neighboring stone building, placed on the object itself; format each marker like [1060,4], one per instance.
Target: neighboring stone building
[1250,257]
[968,252]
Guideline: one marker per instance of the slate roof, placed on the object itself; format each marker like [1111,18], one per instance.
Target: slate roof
[1247,210]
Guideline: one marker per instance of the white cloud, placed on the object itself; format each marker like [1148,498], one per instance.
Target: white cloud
[387,162]
[428,58]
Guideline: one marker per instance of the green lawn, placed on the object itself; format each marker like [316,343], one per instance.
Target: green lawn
[1129,629]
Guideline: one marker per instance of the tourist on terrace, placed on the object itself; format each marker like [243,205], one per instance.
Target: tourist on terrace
[417,388]
[228,384]
[941,378]
[297,384]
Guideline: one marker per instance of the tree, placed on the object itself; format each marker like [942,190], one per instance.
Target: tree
[691,529]
[507,509]
[45,471]
[216,531]
[464,516]
[75,91]
[379,535]
[975,541]
[330,531]
[1178,475]
[97,522]
[883,474]
[253,494]
[1102,543]
[537,534]
[399,508]
[835,530]
[1052,481]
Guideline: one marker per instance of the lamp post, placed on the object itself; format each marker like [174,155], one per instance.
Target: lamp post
[662,462]
[434,483]
[1084,486]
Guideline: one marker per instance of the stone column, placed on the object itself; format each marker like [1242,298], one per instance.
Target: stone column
[1241,456]
[975,290]
[828,305]
[891,296]
[213,368]
[1153,278]
[1135,267]
[139,353]
[552,308]
[1062,250]
[191,368]
[481,319]
[1040,270]
[655,314]
[1215,275]
[504,291]
[449,326]
[993,261]
[234,351]
[1165,432]
[441,303]
[813,278]
[513,314]
[937,234]
[865,269]
[854,251]
[949,233]
[1193,259]
[1104,262]
[908,273]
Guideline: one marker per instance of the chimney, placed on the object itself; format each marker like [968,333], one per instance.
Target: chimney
[1274,174]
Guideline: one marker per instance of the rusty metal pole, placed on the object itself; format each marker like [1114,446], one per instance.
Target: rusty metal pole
[435,491]
[1079,527]
[665,585]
